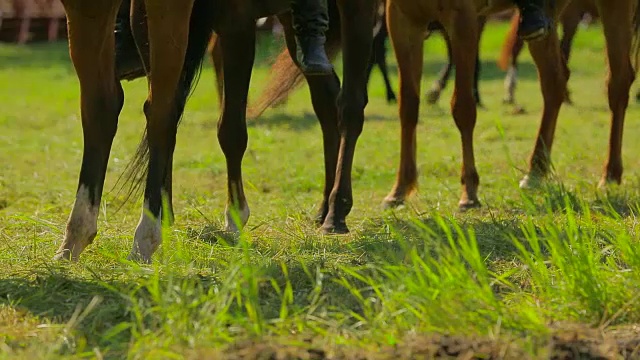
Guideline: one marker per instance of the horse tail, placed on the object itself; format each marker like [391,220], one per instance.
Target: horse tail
[509,43]
[285,76]
[200,32]
[635,47]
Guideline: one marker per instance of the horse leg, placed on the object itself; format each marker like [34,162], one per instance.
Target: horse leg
[216,57]
[357,19]
[482,21]
[464,41]
[553,74]
[238,41]
[616,23]
[91,46]
[433,95]
[381,61]
[407,40]
[516,44]
[372,57]
[570,22]
[324,92]
[168,29]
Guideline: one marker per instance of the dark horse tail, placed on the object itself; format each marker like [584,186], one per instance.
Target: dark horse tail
[285,76]
[200,31]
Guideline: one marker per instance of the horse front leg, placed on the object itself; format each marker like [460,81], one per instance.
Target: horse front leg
[357,19]
[616,20]
[554,75]
[324,91]
[237,39]
[464,41]
[407,40]
[168,24]
[91,47]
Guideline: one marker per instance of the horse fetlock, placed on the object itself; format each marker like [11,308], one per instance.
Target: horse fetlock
[236,217]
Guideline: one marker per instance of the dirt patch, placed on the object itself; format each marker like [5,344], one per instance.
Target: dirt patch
[565,343]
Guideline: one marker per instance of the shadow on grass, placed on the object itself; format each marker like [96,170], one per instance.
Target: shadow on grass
[57,297]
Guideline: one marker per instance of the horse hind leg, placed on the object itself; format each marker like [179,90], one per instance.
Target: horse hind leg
[101,98]
[168,26]
[464,41]
[617,30]
[407,40]
[381,61]
[433,95]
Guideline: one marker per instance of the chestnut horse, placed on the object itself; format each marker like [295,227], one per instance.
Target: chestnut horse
[408,20]
[379,55]
[177,33]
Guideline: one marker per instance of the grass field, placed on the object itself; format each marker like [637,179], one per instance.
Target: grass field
[530,275]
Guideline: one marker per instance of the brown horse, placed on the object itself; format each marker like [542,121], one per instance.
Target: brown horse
[177,39]
[407,21]
[569,19]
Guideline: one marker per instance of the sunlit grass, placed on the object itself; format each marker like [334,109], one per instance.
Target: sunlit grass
[513,273]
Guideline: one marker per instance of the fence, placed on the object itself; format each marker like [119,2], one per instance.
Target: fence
[31,20]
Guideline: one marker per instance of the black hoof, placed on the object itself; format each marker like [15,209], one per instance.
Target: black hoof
[469,204]
[335,229]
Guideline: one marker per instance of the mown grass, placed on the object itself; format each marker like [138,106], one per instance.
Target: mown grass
[517,270]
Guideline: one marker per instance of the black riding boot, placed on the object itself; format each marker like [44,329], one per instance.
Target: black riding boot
[128,63]
[310,22]
[534,23]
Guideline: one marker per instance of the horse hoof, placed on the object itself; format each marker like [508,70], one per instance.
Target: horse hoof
[139,258]
[605,183]
[432,97]
[64,255]
[466,205]
[530,182]
[518,110]
[334,229]
[392,202]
